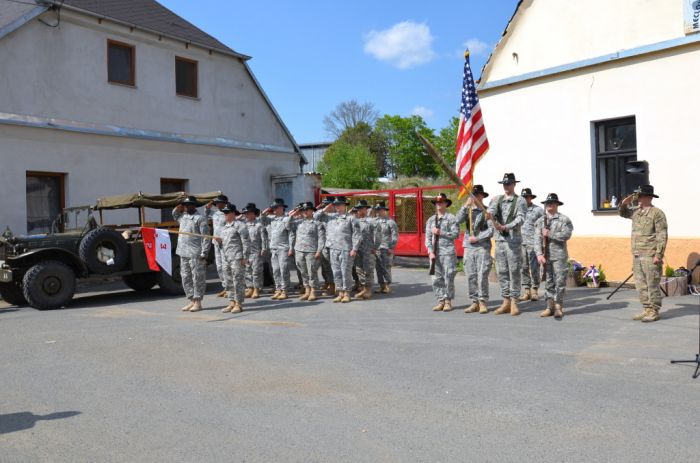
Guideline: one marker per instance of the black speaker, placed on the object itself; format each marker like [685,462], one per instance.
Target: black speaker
[636,174]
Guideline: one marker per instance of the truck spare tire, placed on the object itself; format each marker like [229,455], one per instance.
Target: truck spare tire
[104,251]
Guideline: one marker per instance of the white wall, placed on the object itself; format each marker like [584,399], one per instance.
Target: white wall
[541,130]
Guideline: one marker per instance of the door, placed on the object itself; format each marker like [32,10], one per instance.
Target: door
[46,199]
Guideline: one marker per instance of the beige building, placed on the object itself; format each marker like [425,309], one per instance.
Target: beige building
[575,90]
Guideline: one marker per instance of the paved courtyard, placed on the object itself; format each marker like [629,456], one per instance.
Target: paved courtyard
[127,377]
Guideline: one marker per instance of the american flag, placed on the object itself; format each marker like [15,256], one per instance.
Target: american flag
[472,143]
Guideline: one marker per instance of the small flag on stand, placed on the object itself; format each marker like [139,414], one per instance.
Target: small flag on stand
[156,242]
[472,142]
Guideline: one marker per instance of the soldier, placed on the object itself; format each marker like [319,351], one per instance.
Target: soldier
[308,246]
[366,257]
[259,247]
[477,250]
[388,233]
[555,229]
[236,247]
[281,237]
[649,238]
[193,251]
[218,221]
[355,276]
[326,270]
[508,210]
[343,232]
[531,266]
[441,230]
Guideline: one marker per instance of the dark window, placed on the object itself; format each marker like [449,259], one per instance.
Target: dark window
[616,145]
[170,185]
[121,63]
[45,201]
[186,77]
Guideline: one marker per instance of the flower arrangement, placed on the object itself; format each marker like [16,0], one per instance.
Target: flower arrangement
[595,277]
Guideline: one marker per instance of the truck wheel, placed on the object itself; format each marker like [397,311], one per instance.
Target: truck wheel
[12,294]
[141,281]
[104,251]
[49,285]
[171,284]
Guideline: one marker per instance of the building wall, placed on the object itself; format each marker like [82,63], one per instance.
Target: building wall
[314,153]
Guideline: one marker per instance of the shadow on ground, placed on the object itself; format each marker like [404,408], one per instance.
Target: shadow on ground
[26,420]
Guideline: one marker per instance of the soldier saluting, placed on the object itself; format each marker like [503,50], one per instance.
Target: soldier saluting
[308,246]
[258,248]
[649,238]
[235,244]
[388,234]
[216,215]
[441,230]
[281,237]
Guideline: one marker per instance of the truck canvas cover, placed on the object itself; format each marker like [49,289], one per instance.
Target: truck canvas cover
[154,201]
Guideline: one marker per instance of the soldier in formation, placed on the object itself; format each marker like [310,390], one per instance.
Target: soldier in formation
[216,215]
[259,247]
[193,248]
[649,238]
[281,235]
[388,238]
[441,230]
[366,256]
[310,240]
[326,270]
[235,244]
[531,266]
[552,231]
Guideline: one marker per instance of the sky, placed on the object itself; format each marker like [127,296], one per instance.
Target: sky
[405,57]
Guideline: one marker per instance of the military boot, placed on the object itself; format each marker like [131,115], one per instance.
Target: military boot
[514,310]
[231,305]
[380,289]
[276,295]
[361,293]
[256,293]
[549,311]
[534,296]
[482,307]
[237,308]
[248,292]
[368,293]
[448,306]
[196,306]
[440,305]
[346,297]
[504,308]
[282,296]
[222,294]
[472,308]
[652,315]
[526,295]
[558,312]
[312,295]
[305,296]
[641,314]
[386,289]
[188,306]
[330,291]
[339,297]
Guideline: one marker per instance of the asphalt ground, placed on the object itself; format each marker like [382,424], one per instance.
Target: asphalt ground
[126,377]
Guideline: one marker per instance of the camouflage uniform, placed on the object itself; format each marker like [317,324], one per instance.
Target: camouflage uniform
[477,256]
[310,239]
[218,221]
[531,268]
[343,235]
[388,237]
[236,247]
[649,238]
[560,230]
[365,259]
[193,252]
[510,212]
[281,235]
[445,256]
[258,245]
[326,269]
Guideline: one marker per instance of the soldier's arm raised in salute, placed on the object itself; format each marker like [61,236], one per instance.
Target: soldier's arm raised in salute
[177,212]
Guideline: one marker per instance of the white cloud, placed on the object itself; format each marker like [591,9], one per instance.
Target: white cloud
[475,47]
[423,112]
[404,45]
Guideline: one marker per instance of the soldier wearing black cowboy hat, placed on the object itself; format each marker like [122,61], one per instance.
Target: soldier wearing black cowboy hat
[441,230]
[259,248]
[308,246]
[281,236]
[508,210]
[552,231]
[365,259]
[531,267]
[193,251]
[236,248]
[218,221]
[388,236]
[649,239]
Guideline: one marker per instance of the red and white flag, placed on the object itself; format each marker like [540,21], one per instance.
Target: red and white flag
[156,242]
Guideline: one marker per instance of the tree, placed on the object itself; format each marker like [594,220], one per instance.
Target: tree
[406,155]
[446,141]
[348,166]
[375,142]
[349,114]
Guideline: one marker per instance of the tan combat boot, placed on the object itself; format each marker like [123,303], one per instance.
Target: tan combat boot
[312,295]
[346,297]
[222,294]
[641,314]
[276,295]
[386,289]
[514,310]
[482,307]
[652,315]
[533,295]
[256,293]
[339,297]
[504,308]
[360,293]
[472,308]
[248,292]
[440,305]
[368,293]
[196,306]
[190,304]
[330,291]
[229,307]
[282,296]
[549,311]
[237,308]
[526,296]
[380,289]
[448,306]
[558,312]
[305,296]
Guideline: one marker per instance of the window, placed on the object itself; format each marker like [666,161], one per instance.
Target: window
[45,201]
[185,77]
[615,146]
[121,63]
[170,185]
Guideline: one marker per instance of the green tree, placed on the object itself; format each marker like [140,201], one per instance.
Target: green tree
[446,140]
[406,155]
[345,165]
[363,134]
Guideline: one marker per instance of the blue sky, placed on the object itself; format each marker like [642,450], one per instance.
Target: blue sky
[403,56]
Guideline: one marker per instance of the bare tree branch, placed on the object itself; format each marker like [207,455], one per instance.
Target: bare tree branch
[349,114]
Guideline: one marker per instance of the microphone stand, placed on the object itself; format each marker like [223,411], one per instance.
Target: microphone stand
[695,291]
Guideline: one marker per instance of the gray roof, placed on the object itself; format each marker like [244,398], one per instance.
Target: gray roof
[151,15]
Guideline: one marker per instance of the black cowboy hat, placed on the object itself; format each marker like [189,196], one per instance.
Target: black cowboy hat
[250,207]
[353,210]
[552,198]
[340,200]
[479,190]
[307,205]
[442,198]
[363,204]
[220,199]
[278,202]
[381,205]
[328,200]
[645,190]
[190,200]
[527,193]
[230,208]
[508,179]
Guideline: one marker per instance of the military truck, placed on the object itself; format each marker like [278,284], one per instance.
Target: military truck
[42,270]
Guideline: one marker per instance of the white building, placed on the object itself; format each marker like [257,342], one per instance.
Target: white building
[573,90]
[108,97]
[314,153]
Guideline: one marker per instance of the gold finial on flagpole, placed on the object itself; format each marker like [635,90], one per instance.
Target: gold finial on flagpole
[466,53]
